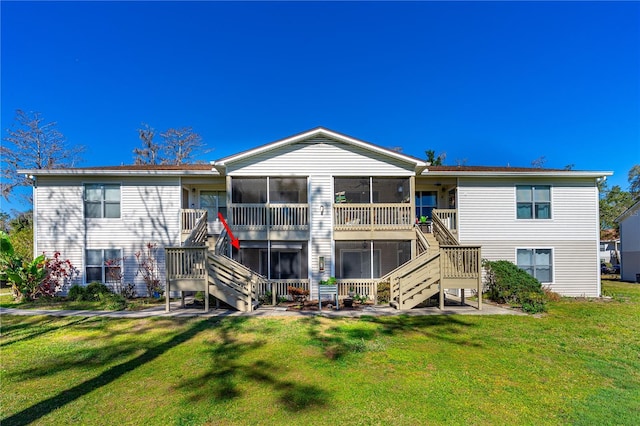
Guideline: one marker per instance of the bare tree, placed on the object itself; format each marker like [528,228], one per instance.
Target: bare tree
[176,146]
[180,145]
[33,144]
[539,162]
[150,151]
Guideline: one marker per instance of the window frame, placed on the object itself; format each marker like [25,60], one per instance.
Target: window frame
[533,203]
[103,259]
[419,206]
[536,267]
[103,202]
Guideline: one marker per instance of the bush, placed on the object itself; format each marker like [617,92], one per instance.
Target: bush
[384,292]
[298,294]
[509,284]
[111,301]
[77,293]
[95,290]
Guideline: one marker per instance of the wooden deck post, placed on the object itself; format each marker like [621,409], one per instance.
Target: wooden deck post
[167,295]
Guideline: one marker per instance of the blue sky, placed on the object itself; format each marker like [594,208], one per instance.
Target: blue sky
[495,83]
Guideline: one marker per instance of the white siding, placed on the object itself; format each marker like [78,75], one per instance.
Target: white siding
[321,230]
[150,212]
[487,216]
[630,245]
[320,156]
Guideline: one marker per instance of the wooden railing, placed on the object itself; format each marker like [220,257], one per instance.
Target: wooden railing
[271,216]
[198,234]
[372,217]
[405,271]
[189,218]
[421,241]
[448,217]
[186,263]
[242,281]
[360,286]
[280,288]
[442,233]
[460,262]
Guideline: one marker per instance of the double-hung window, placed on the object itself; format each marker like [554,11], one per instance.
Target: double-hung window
[533,201]
[102,265]
[102,200]
[537,262]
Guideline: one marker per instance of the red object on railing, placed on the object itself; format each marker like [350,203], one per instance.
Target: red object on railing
[234,241]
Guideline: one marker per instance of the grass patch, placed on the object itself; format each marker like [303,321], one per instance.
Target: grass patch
[577,364]
[61,303]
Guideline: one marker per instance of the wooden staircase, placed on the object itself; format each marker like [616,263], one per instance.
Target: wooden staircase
[232,282]
[197,266]
[418,280]
[441,263]
[414,282]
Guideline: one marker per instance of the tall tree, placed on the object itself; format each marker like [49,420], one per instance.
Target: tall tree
[32,143]
[614,202]
[435,160]
[634,181]
[176,146]
[180,145]
[150,151]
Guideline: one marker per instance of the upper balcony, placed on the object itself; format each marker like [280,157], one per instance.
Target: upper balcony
[373,217]
[274,217]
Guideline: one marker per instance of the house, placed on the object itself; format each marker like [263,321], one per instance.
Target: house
[322,204]
[630,243]
[610,251]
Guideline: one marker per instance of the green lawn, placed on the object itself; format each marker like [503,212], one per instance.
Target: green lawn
[577,364]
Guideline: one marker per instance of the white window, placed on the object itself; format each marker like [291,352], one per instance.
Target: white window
[537,262]
[102,200]
[102,265]
[533,202]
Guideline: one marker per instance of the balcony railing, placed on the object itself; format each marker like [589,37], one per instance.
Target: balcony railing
[378,217]
[256,217]
[448,217]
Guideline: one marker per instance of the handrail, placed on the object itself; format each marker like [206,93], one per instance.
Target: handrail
[222,243]
[421,241]
[449,217]
[198,234]
[189,217]
[236,276]
[442,233]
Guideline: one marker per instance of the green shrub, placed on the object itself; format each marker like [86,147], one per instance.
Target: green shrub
[77,292]
[112,301]
[95,289]
[384,292]
[509,284]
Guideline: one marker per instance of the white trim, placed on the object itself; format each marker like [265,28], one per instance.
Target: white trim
[320,131]
[553,261]
[533,219]
[541,173]
[85,264]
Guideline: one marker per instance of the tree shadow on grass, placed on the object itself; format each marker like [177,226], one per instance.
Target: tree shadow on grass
[346,338]
[13,333]
[42,408]
[221,380]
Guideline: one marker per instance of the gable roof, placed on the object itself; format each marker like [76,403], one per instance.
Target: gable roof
[629,212]
[129,169]
[315,133]
[485,171]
